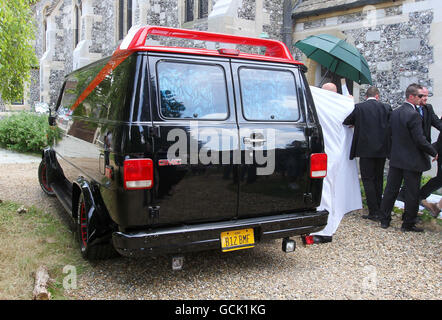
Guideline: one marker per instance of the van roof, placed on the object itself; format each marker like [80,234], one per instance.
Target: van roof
[137,39]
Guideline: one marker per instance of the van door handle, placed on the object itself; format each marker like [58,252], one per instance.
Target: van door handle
[251,140]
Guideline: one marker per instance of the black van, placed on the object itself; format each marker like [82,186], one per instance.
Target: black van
[173,149]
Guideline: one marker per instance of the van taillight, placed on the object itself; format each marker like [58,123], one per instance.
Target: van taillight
[138,174]
[318,165]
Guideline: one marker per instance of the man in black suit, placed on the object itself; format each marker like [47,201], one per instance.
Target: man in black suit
[370,143]
[408,159]
[430,119]
[434,183]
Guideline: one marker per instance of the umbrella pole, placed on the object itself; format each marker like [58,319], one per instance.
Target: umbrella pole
[323,78]
[326,74]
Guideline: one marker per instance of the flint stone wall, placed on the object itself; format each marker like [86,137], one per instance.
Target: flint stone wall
[401,52]
[398,54]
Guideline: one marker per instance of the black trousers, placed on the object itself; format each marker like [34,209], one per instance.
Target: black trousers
[433,184]
[394,181]
[372,176]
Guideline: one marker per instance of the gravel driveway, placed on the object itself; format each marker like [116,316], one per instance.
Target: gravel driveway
[363,262]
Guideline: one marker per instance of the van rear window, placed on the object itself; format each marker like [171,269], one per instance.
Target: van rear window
[268,95]
[192,91]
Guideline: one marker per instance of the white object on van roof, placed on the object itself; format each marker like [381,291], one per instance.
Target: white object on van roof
[129,37]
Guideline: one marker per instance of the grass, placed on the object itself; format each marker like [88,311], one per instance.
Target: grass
[29,240]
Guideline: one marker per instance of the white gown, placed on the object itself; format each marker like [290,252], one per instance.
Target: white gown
[341,192]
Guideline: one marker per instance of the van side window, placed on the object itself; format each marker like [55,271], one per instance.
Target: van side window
[192,91]
[68,98]
[108,100]
[268,95]
[82,79]
[69,93]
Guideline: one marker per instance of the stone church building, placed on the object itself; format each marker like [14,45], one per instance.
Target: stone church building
[398,38]
[73,33]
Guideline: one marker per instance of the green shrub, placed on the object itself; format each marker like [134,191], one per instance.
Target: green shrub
[424,180]
[27,132]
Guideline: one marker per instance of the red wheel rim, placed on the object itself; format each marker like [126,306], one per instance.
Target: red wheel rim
[44,180]
[83,224]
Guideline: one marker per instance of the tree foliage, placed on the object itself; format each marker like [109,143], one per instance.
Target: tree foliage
[17,55]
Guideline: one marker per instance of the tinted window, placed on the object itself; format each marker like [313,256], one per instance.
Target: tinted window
[76,84]
[108,100]
[268,95]
[69,93]
[194,91]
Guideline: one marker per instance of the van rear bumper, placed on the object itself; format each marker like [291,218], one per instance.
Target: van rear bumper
[206,236]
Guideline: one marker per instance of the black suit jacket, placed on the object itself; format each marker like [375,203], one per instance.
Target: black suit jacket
[438,144]
[371,129]
[430,120]
[409,146]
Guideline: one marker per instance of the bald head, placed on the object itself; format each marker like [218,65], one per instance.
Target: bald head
[330,87]
[424,99]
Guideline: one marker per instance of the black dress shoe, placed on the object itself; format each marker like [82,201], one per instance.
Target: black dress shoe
[412,229]
[385,225]
[371,217]
[322,239]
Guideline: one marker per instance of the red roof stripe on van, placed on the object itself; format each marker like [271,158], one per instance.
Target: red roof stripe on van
[136,40]
[114,62]
[215,53]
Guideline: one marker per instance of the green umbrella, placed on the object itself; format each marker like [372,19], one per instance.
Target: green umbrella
[336,55]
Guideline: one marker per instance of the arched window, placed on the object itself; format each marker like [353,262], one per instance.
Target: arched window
[195,9]
[45,28]
[77,21]
[124,23]
[189,10]
[203,9]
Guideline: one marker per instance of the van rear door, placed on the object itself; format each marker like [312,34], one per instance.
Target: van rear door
[274,170]
[197,134]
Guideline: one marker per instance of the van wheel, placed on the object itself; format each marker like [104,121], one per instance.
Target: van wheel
[43,179]
[90,252]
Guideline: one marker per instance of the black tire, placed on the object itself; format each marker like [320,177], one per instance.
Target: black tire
[43,179]
[90,252]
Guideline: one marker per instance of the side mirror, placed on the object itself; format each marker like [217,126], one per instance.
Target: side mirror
[52,115]
[51,121]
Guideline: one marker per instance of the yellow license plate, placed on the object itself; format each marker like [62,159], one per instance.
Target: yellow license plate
[237,240]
